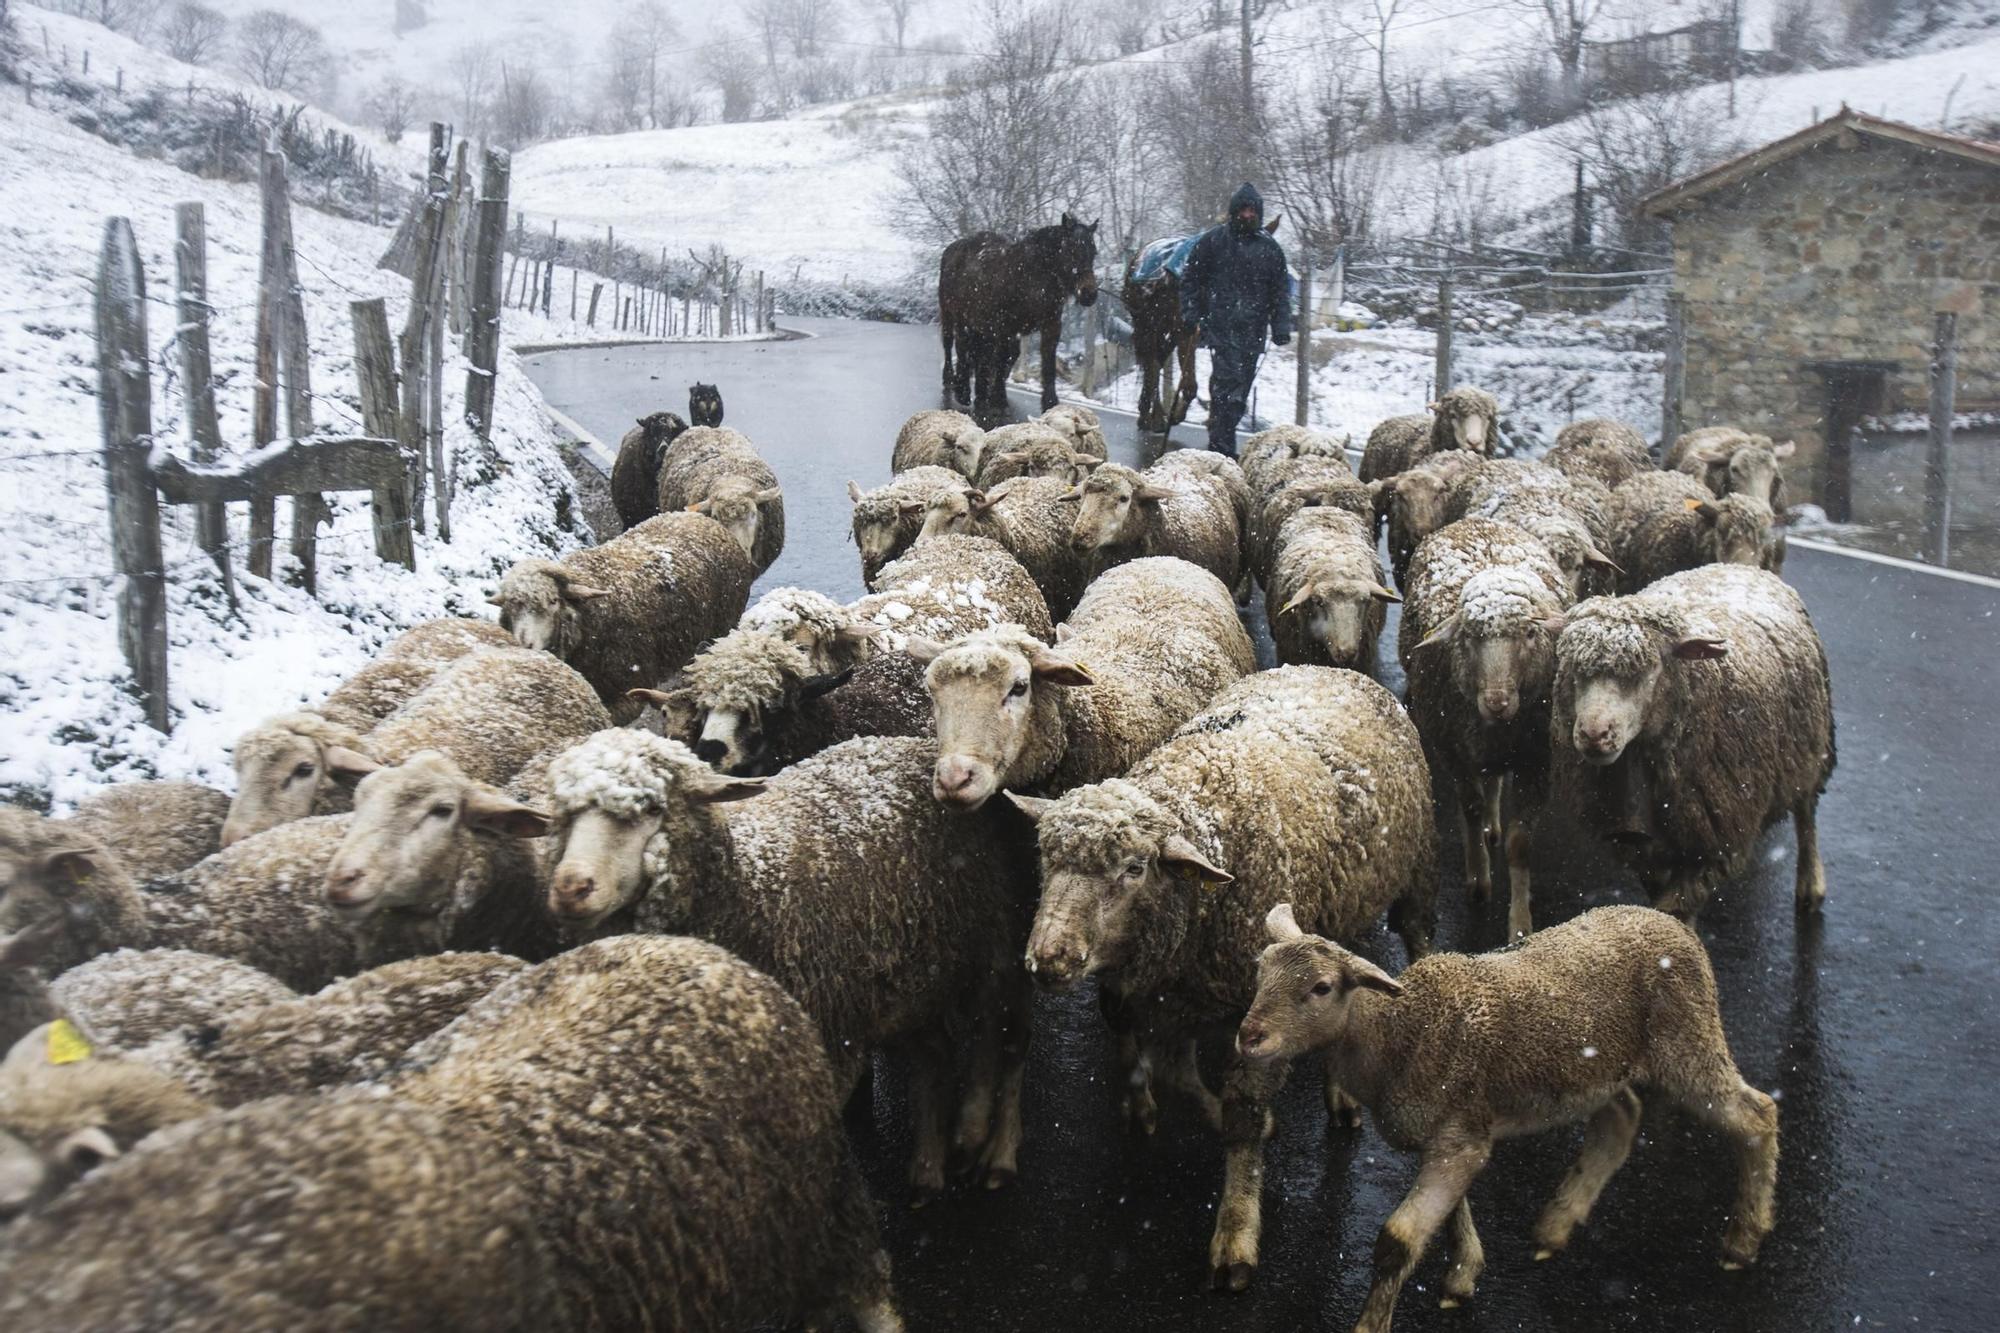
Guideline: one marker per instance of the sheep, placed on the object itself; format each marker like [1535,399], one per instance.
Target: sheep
[304,762]
[1608,452]
[1031,519]
[629,612]
[1665,522]
[1731,461]
[1415,503]
[1477,637]
[158,827]
[635,473]
[1324,597]
[1304,784]
[823,629]
[129,997]
[1570,515]
[1270,450]
[1314,484]
[939,438]
[1031,450]
[952,583]
[888,518]
[1688,718]
[717,473]
[1190,504]
[117,1094]
[1465,418]
[1461,1051]
[704,405]
[888,917]
[1148,646]
[1080,426]
[372,1216]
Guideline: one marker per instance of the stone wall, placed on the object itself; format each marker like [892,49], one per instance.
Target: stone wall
[1836,253]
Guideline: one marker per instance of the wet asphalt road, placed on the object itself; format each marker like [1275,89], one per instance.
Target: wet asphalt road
[1876,1025]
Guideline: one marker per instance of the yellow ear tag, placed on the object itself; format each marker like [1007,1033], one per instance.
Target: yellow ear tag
[66,1044]
[78,870]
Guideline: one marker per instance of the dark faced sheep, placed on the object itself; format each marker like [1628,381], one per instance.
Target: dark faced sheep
[628,613]
[1302,780]
[1688,718]
[1460,1052]
[635,474]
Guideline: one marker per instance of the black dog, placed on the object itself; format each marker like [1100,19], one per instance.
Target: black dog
[704,405]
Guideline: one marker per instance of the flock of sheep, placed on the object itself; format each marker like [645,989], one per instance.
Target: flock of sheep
[523,980]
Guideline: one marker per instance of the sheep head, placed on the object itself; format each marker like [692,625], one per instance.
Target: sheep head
[1342,614]
[738,505]
[956,509]
[287,768]
[541,605]
[59,891]
[1111,856]
[1501,641]
[1112,507]
[959,448]
[732,694]
[1613,660]
[999,721]
[1467,418]
[1305,991]
[1736,530]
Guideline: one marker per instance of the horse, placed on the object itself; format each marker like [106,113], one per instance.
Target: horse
[992,290]
[1160,341]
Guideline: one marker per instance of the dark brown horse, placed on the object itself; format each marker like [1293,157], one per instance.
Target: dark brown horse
[1162,343]
[992,290]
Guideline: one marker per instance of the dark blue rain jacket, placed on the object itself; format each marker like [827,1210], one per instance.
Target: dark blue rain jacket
[1235,285]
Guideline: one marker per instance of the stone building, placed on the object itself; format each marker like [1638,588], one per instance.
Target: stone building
[1808,274]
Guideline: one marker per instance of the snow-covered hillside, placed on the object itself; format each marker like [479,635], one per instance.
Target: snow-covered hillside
[69,722]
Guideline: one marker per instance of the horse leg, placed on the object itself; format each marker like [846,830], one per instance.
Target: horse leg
[1184,399]
[1149,389]
[944,330]
[1051,334]
[970,349]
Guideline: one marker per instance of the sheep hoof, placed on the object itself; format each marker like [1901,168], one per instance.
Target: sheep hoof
[1448,1303]
[999,1177]
[1231,1278]
[922,1196]
[1731,1266]
[1544,1255]
[1479,890]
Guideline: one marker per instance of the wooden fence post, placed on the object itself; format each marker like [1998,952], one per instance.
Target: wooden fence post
[270,321]
[483,339]
[1676,374]
[572,296]
[414,343]
[375,372]
[1443,365]
[596,290]
[1302,339]
[308,510]
[191,293]
[125,409]
[458,263]
[1937,460]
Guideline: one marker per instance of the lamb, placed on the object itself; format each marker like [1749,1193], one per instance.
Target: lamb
[1688,718]
[373,1216]
[1272,449]
[635,473]
[1465,418]
[1030,519]
[1608,452]
[939,438]
[1460,1051]
[630,612]
[1665,522]
[158,827]
[1324,597]
[887,916]
[1477,637]
[1303,783]
[1148,646]
[1080,426]
[130,997]
[888,518]
[1190,504]
[300,763]
[1731,461]
[717,472]
[1416,503]
[1029,449]
[1571,516]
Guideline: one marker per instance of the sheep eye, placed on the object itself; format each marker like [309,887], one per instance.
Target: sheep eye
[1323,988]
[1017,689]
[443,811]
[303,771]
[1134,869]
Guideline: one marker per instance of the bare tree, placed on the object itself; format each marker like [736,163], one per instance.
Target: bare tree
[411,15]
[1208,143]
[896,16]
[134,18]
[392,106]
[1326,171]
[1633,147]
[1566,26]
[769,20]
[730,67]
[638,45]
[275,50]
[1374,29]
[1123,161]
[810,24]
[527,110]
[194,33]
[475,71]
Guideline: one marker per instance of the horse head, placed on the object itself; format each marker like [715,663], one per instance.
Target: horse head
[1076,257]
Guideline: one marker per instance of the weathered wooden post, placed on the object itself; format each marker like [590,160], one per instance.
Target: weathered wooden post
[375,372]
[483,338]
[191,303]
[414,344]
[1442,371]
[270,321]
[1676,373]
[596,290]
[458,262]
[1937,460]
[309,510]
[125,409]
[1302,335]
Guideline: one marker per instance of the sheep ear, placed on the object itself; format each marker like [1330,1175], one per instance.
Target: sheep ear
[922,649]
[1385,595]
[71,865]
[1432,407]
[1179,852]
[857,636]
[1785,450]
[1013,458]
[493,599]
[1442,634]
[1364,975]
[1148,493]
[1699,648]
[814,686]
[980,501]
[583,592]
[854,492]
[344,763]
[699,507]
[768,494]
[28,1052]
[1073,494]
[1299,599]
[1063,631]
[1593,556]
[1282,926]
[24,947]
[1034,807]
[658,698]
[86,1149]
[910,507]
[710,788]
[491,811]
[1706,508]
[1055,670]
[1558,622]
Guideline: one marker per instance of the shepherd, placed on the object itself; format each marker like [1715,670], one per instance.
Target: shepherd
[1235,287]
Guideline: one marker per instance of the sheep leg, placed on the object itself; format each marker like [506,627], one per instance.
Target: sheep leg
[1810,892]
[1449,1168]
[1468,1259]
[1607,1141]
[930,1089]
[1342,1111]
[1520,843]
[1246,1123]
[864,1288]
[1000,1160]
[1684,894]
[975,1108]
[1478,867]
[1136,1106]
[1182,1072]
[1751,1119]
[1492,820]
